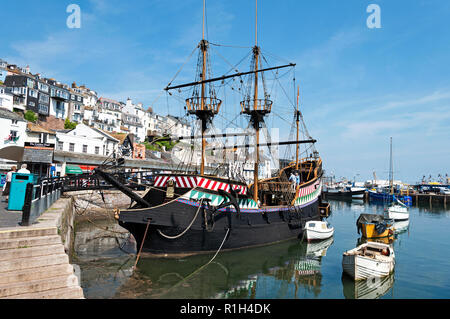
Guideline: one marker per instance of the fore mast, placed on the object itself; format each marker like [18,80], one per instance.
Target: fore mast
[204,104]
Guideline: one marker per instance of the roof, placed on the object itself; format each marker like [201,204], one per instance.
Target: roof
[32,127]
[119,136]
[107,134]
[108,100]
[7,114]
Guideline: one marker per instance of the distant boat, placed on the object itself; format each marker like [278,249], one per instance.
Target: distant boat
[388,195]
[374,226]
[345,192]
[369,260]
[318,230]
[397,211]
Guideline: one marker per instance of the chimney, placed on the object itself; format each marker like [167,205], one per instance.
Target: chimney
[27,69]
[74,85]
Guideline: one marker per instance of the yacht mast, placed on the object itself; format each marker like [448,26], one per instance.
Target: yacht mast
[391,172]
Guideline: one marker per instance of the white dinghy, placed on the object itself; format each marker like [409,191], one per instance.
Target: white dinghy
[369,260]
[397,211]
[318,230]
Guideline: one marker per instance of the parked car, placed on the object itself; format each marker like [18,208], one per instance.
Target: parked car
[444,191]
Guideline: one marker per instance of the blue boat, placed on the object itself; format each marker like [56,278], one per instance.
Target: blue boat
[389,198]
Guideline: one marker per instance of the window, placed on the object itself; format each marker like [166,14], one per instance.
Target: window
[14,122]
[97,150]
[60,146]
[33,93]
[30,83]
[72,147]
[13,134]
[43,98]
[43,138]
[84,148]
[43,109]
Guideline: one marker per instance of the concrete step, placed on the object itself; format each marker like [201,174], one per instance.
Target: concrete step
[8,254]
[61,293]
[33,262]
[29,242]
[27,232]
[31,274]
[40,285]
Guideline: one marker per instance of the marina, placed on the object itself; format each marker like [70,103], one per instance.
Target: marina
[289,270]
[253,166]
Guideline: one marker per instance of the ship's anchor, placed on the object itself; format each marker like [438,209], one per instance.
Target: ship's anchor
[210,212]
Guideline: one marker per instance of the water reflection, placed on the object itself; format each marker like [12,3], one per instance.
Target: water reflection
[367,289]
[401,226]
[287,270]
[250,273]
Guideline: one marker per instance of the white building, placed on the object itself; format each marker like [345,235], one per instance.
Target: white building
[12,129]
[88,140]
[134,118]
[176,126]
[6,98]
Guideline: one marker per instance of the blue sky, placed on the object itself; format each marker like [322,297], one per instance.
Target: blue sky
[359,86]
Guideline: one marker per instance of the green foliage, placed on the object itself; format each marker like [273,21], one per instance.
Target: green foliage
[30,116]
[68,125]
[159,145]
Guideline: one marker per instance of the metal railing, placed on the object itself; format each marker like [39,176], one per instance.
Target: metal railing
[38,198]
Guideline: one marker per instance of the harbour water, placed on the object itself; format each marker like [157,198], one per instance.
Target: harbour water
[288,270]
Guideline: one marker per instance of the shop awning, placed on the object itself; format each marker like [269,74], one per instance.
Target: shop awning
[73,169]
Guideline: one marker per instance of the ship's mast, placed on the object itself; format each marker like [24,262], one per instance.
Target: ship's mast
[203,47]
[203,107]
[255,107]
[391,172]
[298,130]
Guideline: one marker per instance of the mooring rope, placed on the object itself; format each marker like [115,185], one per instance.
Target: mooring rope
[199,269]
[190,225]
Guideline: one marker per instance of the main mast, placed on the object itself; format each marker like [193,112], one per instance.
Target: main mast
[256,108]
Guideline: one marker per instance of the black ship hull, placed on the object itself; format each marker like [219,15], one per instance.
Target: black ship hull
[344,194]
[169,232]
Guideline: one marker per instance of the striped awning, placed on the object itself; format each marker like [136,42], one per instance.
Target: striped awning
[73,169]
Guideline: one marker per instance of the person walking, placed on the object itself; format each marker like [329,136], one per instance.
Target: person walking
[7,185]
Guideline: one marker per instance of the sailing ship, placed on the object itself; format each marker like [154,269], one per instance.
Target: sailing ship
[195,212]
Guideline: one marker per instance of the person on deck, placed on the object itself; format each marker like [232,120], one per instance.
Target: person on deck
[293,180]
[297,178]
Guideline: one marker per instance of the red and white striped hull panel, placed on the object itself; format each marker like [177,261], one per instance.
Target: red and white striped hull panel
[197,181]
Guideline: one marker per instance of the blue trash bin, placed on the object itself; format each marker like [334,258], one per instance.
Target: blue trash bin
[17,190]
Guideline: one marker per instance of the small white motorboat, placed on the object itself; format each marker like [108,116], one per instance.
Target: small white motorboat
[397,211]
[369,260]
[318,230]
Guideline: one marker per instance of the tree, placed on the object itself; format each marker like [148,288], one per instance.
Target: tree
[68,125]
[30,116]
